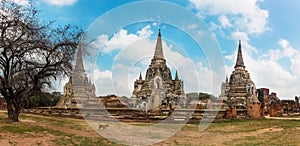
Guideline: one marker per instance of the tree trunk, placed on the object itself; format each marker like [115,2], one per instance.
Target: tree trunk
[13,115]
[13,112]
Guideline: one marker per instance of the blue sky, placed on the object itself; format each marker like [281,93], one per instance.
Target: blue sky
[268,30]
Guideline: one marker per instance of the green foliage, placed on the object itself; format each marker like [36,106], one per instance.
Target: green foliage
[82,141]
[192,95]
[176,142]
[58,121]
[21,128]
[204,96]
[200,96]
[42,99]
[12,143]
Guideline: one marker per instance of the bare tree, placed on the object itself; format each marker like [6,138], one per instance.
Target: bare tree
[32,54]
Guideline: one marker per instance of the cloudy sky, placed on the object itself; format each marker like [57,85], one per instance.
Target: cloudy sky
[194,33]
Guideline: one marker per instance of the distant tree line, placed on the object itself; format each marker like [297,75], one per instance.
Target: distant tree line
[200,96]
[42,99]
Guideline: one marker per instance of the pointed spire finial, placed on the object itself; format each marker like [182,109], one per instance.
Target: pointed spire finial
[226,79]
[158,49]
[140,78]
[239,59]
[176,76]
[79,61]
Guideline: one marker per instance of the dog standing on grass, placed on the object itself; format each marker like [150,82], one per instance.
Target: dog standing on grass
[103,126]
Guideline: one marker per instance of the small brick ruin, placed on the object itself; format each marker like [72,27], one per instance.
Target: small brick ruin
[254,110]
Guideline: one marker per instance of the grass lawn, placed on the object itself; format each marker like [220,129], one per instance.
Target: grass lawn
[44,130]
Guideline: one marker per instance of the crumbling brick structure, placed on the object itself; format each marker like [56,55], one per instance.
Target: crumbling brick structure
[289,106]
[255,110]
[263,97]
[276,109]
[297,108]
[231,113]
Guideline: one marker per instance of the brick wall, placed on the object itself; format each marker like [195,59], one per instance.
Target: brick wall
[255,110]
[231,113]
[276,109]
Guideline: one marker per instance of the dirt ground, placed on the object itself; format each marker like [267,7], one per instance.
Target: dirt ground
[207,138]
[43,130]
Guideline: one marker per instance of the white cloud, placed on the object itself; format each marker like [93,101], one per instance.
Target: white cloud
[292,54]
[121,39]
[295,65]
[285,51]
[244,15]
[145,32]
[245,41]
[21,2]
[142,48]
[288,51]
[59,85]
[102,81]
[214,26]
[61,2]
[283,43]
[224,21]
[240,36]
[98,74]
[273,55]
[192,26]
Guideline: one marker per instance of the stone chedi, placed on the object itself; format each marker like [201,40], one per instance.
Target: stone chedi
[79,88]
[240,89]
[158,87]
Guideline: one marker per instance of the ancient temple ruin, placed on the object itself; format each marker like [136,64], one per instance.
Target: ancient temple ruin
[158,88]
[79,88]
[240,90]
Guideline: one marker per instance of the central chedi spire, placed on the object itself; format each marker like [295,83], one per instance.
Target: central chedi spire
[158,49]
[159,87]
[79,76]
[239,59]
[79,62]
